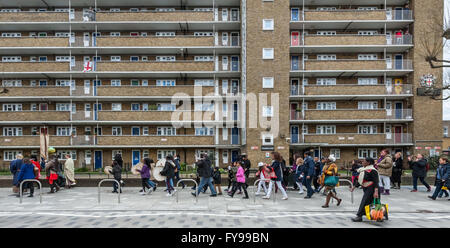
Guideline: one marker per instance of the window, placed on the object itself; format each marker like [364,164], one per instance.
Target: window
[134,58]
[12,131]
[65,131]
[165,82]
[326,81]
[326,32]
[114,34]
[64,83]
[367,8]
[267,82]
[166,131]
[11,58]
[207,151]
[336,153]
[62,154]
[116,106]
[165,34]
[11,35]
[326,129]
[12,83]
[42,58]
[145,107]
[305,129]
[204,107]
[268,53]
[325,8]
[135,131]
[115,152]
[367,129]
[203,34]
[267,139]
[65,107]
[166,107]
[204,58]
[204,131]
[165,9]
[165,58]
[115,82]
[367,32]
[367,57]
[12,107]
[326,57]
[135,107]
[115,58]
[34,130]
[267,24]
[367,152]
[145,154]
[145,131]
[134,82]
[367,81]
[445,131]
[160,154]
[10,155]
[267,111]
[116,131]
[326,105]
[204,82]
[367,105]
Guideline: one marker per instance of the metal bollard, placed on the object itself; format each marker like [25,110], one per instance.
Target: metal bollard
[109,180]
[31,180]
[188,180]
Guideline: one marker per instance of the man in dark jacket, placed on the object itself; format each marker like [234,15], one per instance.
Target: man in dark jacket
[308,174]
[317,170]
[205,173]
[419,171]
[246,164]
[117,173]
[14,167]
[169,172]
[176,160]
[26,172]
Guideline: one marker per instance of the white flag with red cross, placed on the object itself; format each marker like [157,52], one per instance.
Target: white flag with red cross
[87,66]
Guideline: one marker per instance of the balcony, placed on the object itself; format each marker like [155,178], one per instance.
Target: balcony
[34,66]
[29,140]
[155,16]
[339,15]
[34,16]
[34,42]
[352,115]
[36,91]
[351,90]
[350,139]
[152,90]
[153,140]
[155,66]
[34,116]
[156,116]
[154,41]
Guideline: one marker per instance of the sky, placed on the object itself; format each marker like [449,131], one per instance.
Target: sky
[446,105]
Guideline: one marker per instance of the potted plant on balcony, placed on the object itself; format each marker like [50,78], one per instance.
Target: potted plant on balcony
[153,107]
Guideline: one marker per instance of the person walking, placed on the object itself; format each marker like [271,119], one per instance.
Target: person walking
[356,164]
[308,174]
[318,166]
[247,164]
[240,181]
[419,171]
[369,180]
[169,172]
[217,177]
[117,173]
[145,176]
[276,168]
[52,168]
[69,172]
[176,160]
[119,160]
[397,170]
[442,177]
[263,176]
[299,174]
[230,177]
[36,164]
[330,170]
[294,169]
[26,172]
[205,173]
[384,165]
[14,168]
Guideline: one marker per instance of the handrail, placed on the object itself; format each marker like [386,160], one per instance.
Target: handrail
[351,184]
[31,180]
[109,180]
[254,186]
[188,180]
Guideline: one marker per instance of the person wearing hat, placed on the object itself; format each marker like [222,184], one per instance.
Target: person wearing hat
[217,178]
[263,174]
[330,181]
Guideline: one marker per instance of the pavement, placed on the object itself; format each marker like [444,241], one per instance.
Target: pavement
[79,207]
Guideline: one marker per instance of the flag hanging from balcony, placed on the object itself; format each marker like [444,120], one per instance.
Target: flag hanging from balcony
[43,140]
[87,66]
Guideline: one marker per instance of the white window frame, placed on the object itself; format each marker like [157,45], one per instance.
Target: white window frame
[268,24]
[267,111]
[367,152]
[116,131]
[268,53]
[336,152]
[326,129]
[10,155]
[268,82]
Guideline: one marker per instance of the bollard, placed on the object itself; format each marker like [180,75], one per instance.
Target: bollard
[31,180]
[188,180]
[109,180]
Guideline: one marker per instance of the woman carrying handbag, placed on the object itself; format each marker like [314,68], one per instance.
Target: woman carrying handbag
[330,181]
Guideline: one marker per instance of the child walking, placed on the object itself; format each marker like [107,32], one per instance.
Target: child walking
[145,176]
[263,174]
[217,180]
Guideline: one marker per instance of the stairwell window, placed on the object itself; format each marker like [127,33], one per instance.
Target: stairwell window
[116,131]
[268,24]
[268,53]
[267,111]
[267,82]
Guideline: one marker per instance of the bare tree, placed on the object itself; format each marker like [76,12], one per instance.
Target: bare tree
[432,44]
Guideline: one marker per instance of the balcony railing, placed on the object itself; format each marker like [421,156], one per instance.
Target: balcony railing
[178,15]
[153,90]
[37,91]
[232,140]
[155,140]
[351,89]
[35,116]
[166,116]
[350,64]
[350,39]
[352,114]
[350,15]
[33,140]
[352,138]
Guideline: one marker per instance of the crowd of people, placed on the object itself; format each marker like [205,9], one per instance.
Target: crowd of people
[314,174]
